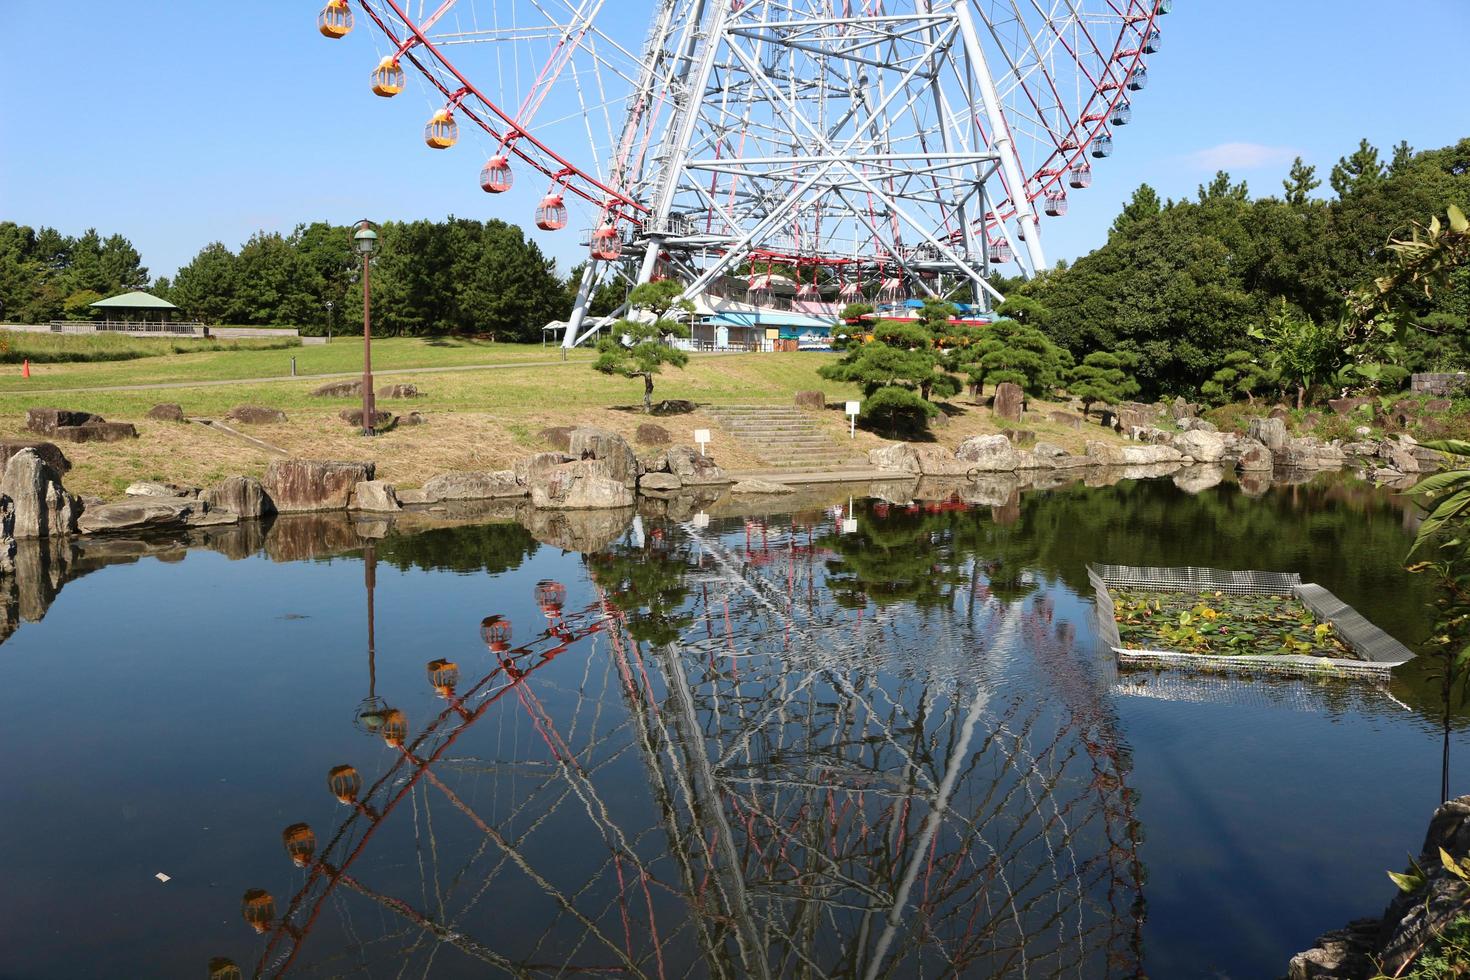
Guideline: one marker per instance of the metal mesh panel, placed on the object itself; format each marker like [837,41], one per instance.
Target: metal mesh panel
[1187,579]
[1367,640]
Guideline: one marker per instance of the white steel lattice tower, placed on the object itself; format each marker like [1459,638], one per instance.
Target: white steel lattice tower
[760,151]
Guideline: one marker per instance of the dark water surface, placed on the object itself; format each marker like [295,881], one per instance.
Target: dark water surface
[733,745]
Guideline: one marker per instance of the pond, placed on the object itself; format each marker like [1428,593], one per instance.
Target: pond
[757,740]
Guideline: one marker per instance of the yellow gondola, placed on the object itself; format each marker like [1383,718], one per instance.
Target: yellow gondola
[335,20]
[442,131]
[388,78]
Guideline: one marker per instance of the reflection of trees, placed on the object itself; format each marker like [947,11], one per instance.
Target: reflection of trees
[490,548]
[740,785]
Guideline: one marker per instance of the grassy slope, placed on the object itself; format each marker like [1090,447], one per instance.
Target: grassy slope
[477,419]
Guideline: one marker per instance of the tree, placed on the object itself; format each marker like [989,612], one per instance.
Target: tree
[1300,183]
[78,304]
[1011,351]
[1241,373]
[901,368]
[1357,173]
[1299,349]
[1103,377]
[1143,205]
[205,288]
[640,348]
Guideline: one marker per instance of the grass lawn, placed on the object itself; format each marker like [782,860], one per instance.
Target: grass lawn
[246,359]
[477,419]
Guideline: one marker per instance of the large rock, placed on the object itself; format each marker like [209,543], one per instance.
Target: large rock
[558,437]
[96,432]
[589,442]
[152,488]
[580,485]
[402,390]
[1346,406]
[375,496]
[1197,479]
[1066,418]
[1196,425]
[255,415]
[42,507]
[811,400]
[583,531]
[485,485]
[533,468]
[242,495]
[338,389]
[49,452]
[1399,456]
[301,485]
[1269,432]
[649,434]
[661,482]
[139,514]
[167,412]
[353,417]
[47,420]
[989,454]
[1254,457]
[1203,447]
[1308,454]
[1180,409]
[693,468]
[1009,401]
[761,487]
[1111,454]
[926,459]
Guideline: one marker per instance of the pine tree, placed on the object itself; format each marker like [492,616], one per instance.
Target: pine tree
[1103,377]
[639,348]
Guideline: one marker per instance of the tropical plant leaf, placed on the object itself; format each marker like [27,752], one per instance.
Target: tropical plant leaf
[1440,482]
[1407,883]
[1456,447]
[1458,221]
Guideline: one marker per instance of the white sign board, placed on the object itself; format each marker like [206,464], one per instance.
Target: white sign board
[849,526]
[854,408]
[701,436]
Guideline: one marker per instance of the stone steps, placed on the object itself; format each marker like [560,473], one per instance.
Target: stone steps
[784,438]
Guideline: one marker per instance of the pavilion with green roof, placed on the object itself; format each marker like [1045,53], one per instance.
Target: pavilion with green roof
[138,310]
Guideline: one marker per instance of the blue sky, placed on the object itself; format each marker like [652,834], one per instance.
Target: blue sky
[179,123]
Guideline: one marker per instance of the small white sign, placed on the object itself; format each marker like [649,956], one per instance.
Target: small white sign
[849,526]
[701,520]
[854,408]
[701,435]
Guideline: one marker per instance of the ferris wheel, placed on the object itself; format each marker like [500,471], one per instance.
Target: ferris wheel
[832,150]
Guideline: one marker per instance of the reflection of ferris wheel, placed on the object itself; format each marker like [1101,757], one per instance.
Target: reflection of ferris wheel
[849,148]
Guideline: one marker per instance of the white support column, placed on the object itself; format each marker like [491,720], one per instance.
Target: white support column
[1000,137]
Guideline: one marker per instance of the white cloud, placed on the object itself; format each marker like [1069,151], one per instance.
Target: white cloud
[1240,156]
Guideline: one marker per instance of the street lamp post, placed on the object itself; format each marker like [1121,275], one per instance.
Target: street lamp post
[329,321]
[365,241]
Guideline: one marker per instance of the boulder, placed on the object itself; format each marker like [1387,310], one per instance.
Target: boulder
[1270,432]
[1020,437]
[484,485]
[302,485]
[1180,409]
[1346,406]
[927,459]
[762,487]
[557,436]
[659,482]
[649,434]
[375,496]
[338,389]
[1438,405]
[41,506]
[989,454]
[255,415]
[693,468]
[166,412]
[96,432]
[49,452]
[1197,425]
[212,518]
[589,442]
[1399,456]
[1254,457]
[1110,454]
[1009,401]
[579,485]
[1279,412]
[242,495]
[585,531]
[151,488]
[1130,417]
[1066,418]
[420,496]
[412,418]
[673,406]
[353,417]
[811,400]
[1202,447]
[139,514]
[533,468]
[1308,454]
[47,420]
[400,391]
